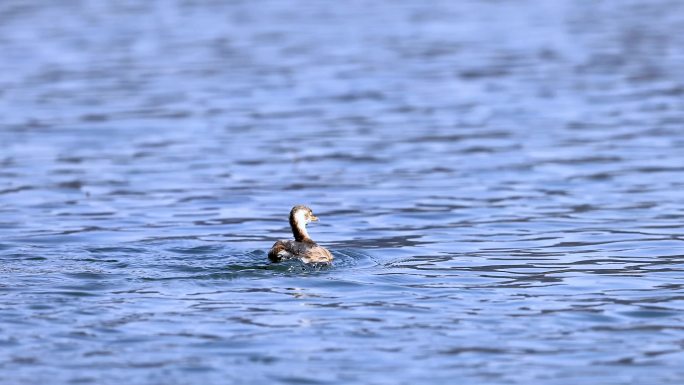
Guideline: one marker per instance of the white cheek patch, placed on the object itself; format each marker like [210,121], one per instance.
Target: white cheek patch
[300,217]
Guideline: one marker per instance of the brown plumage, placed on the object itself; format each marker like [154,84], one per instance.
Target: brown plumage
[303,247]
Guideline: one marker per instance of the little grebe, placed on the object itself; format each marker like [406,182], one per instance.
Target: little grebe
[303,247]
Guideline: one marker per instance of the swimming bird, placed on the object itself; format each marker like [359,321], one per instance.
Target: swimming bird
[303,247]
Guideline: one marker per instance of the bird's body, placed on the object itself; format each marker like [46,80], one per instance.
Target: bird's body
[304,251]
[302,247]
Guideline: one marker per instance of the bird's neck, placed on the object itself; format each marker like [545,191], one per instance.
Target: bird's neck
[299,231]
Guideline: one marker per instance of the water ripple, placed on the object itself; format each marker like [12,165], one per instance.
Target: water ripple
[500,184]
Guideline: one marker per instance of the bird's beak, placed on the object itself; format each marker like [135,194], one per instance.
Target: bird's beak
[314,218]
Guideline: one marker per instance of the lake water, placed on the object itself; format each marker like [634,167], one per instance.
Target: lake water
[502,184]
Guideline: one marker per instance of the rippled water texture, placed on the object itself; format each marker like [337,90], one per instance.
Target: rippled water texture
[501,184]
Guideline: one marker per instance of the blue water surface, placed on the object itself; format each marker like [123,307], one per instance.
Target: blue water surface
[501,183]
